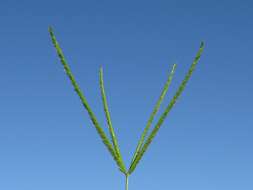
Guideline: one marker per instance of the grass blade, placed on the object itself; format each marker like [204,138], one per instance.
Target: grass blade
[108,117]
[168,108]
[84,101]
[155,110]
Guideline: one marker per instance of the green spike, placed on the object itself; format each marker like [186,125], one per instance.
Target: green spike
[108,118]
[169,107]
[84,101]
[155,110]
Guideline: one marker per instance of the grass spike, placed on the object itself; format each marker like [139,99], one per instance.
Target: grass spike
[155,110]
[145,140]
[167,110]
[108,117]
[84,101]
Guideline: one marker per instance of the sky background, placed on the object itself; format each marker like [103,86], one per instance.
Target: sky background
[47,141]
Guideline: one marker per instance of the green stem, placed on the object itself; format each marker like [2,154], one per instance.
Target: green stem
[126,182]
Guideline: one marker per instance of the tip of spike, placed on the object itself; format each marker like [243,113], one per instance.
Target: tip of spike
[202,44]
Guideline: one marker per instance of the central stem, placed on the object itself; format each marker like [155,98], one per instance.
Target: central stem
[126,182]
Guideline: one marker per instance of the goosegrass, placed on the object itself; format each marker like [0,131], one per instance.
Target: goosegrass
[112,143]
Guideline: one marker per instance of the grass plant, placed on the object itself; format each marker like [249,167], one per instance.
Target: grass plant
[112,143]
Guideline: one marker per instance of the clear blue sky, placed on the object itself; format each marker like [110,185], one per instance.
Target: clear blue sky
[47,141]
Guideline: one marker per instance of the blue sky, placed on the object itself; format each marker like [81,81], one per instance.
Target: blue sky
[47,141]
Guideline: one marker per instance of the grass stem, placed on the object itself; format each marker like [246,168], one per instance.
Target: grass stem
[126,182]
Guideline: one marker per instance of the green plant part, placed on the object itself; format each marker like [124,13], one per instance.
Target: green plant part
[145,141]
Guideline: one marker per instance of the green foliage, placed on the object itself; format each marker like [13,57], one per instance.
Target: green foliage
[144,141]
